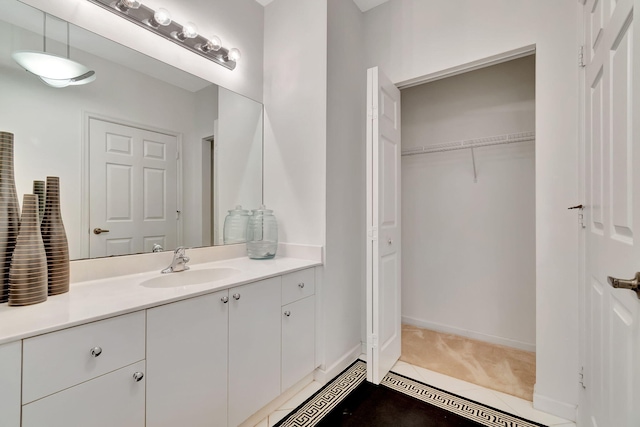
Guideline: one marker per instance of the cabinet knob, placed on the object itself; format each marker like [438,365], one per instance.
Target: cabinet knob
[96,351]
[301,285]
[138,376]
[236,297]
[287,313]
[224,299]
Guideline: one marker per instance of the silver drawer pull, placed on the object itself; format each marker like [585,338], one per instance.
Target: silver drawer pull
[301,285]
[236,297]
[224,299]
[287,313]
[96,351]
[138,376]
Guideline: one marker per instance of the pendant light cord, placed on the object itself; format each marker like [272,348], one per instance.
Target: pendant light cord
[44,33]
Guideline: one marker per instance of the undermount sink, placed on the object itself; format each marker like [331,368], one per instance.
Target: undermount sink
[190,277]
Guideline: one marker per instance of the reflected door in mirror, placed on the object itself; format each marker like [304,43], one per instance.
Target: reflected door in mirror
[132,188]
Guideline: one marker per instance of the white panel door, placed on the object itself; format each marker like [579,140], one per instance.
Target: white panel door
[611,349]
[132,189]
[383,224]
[187,362]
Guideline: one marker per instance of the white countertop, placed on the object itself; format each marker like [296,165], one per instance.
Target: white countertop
[99,299]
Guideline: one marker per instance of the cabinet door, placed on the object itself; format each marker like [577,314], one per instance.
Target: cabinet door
[298,339]
[254,347]
[187,362]
[115,399]
[10,375]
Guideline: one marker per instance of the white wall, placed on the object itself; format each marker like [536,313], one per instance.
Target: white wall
[344,269]
[468,249]
[239,23]
[412,38]
[295,94]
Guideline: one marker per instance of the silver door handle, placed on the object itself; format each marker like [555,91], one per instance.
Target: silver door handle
[99,231]
[632,284]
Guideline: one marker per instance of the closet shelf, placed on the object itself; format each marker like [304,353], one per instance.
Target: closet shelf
[472,143]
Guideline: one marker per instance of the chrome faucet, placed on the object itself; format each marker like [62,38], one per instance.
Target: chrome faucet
[179,263]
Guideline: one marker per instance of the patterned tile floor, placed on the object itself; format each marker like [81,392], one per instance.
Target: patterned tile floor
[496,399]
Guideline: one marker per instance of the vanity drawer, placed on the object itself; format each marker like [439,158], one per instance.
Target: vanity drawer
[298,285]
[58,360]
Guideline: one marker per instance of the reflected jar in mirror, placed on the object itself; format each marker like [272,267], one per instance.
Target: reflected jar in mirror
[235,226]
[262,234]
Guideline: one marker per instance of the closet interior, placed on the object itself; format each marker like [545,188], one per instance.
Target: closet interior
[468,221]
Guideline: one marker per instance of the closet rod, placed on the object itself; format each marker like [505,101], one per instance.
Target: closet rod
[472,143]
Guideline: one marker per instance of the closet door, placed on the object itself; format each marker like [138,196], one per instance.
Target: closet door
[611,382]
[383,224]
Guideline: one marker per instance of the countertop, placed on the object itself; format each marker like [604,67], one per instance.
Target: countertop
[99,299]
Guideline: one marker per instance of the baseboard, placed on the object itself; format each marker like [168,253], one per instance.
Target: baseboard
[323,376]
[469,334]
[555,407]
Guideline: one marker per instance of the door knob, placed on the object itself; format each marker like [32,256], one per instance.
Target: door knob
[633,284]
[99,231]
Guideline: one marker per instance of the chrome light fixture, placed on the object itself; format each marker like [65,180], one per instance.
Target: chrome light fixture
[55,71]
[160,22]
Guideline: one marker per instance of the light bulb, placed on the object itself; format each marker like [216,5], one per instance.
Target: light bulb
[214,43]
[189,31]
[125,5]
[161,17]
[234,54]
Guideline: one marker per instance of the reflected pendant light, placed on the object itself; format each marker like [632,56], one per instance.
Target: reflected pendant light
[56,71]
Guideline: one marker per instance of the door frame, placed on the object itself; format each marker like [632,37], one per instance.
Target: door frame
[85,174]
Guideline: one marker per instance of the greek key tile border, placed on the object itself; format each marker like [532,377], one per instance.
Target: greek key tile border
[311,412]
[317,406]
[458,405]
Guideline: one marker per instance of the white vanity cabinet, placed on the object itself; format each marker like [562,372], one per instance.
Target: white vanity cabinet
[254,347]
[10,374]
[187,362]
[298,326]
[114,399]
[90,374]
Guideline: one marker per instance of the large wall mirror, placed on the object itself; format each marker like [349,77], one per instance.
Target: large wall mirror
[152,154]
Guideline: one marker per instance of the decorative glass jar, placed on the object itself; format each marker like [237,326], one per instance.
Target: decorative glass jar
[262,234]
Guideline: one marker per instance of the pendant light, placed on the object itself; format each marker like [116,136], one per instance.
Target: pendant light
[55,71]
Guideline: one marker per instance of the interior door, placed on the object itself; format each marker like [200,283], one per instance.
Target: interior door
[132,189]
[612,128]
[383,223]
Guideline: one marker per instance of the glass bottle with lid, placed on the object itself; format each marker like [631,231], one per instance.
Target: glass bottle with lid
[262,234]
[235,226]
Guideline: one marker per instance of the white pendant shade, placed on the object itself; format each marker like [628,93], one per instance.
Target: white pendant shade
[48,66]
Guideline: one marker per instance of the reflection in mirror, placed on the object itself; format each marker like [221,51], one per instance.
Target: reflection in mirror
[147,154]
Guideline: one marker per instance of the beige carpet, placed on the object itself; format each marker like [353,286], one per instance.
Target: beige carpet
[493,366]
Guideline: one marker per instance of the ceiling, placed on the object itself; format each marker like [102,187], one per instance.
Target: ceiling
[364,5]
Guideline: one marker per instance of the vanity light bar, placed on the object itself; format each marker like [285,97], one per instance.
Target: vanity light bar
[142,15]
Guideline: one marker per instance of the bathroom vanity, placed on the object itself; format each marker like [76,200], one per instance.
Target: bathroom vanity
[161,350]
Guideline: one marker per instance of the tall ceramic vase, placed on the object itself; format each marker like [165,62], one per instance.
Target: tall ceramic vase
[55,239]
[9,212]
[28,273]
[38,190]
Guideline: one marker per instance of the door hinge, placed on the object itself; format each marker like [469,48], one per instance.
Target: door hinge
[372,341]
[373,233]
[580,209]
[581,63]
[372,113]
[581,379]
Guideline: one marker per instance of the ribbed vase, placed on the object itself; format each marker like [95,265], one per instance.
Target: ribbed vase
[55,239]
[38,190]
[28,273]
[9,212]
